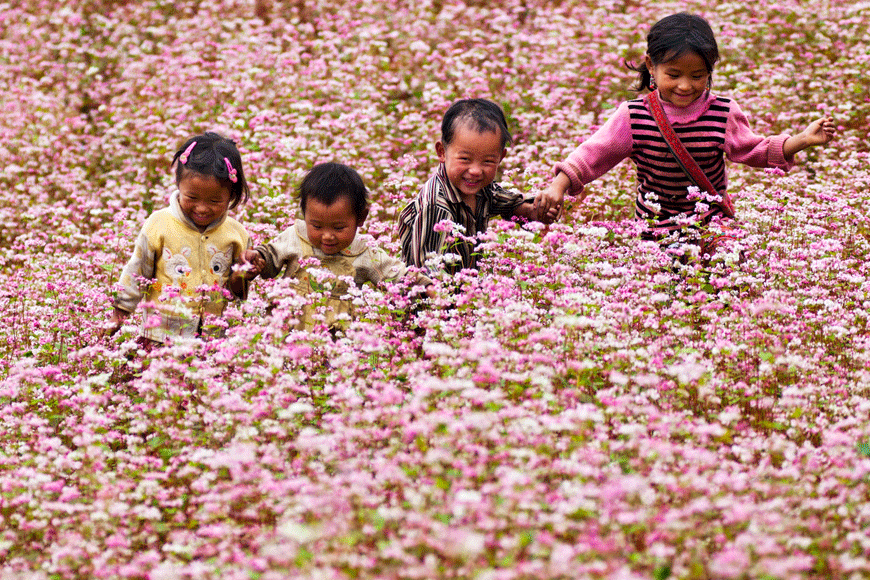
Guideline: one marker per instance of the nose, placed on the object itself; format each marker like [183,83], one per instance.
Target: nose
[475,169]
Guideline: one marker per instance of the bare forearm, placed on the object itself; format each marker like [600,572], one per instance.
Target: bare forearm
[560,183]
[238,283]
[820,132]
[794,144]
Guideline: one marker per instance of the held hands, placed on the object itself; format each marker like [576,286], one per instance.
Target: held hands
[249,266]
[528,211]
[548,203]
[255,262]
[550,215]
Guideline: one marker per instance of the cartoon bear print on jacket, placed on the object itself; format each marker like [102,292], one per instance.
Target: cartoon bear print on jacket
[176,267]
[221,262]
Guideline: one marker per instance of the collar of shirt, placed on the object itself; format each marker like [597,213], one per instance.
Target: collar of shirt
[682,115]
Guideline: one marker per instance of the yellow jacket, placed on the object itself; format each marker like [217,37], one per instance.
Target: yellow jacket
[181,273]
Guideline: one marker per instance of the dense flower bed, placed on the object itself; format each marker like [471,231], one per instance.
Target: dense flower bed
[578,408]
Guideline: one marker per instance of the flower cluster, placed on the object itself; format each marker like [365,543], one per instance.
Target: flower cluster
[580,407]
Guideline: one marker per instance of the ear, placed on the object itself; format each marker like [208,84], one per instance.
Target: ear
[360,220]
[503,153]
[440,150]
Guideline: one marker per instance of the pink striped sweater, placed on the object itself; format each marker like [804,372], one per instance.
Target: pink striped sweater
[712,128]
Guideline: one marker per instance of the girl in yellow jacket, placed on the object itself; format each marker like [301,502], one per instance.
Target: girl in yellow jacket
[182,259]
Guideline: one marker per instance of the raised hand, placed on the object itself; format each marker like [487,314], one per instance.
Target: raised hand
[820,132]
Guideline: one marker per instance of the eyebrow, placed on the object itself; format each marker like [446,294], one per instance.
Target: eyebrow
[470,153]
[693,72]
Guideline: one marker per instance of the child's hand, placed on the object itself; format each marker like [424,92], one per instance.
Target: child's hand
[553,214]
[548,204]
[255,260]
[820,132]
[116,320]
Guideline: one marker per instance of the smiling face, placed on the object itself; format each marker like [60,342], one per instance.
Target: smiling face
[471,159]
[680,81]
[331,228]
[202,198]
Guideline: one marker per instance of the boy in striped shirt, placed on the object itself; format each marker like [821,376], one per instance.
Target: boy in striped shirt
[474,136]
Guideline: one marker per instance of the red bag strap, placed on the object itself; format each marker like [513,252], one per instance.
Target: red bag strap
[690,167]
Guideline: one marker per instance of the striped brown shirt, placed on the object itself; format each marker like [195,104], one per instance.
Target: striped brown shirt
[438,201]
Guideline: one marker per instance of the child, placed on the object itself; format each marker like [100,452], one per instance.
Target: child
[681,52]
[474,135]
[334,203]
[186,250]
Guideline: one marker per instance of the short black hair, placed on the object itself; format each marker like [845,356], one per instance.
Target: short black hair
[326,182]
[672,37]
[207,156]
[483,115]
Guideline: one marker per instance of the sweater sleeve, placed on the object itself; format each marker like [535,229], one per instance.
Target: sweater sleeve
[506,201]
[742,145]
[279,252]
[599,153]
[386,268]
[138,271]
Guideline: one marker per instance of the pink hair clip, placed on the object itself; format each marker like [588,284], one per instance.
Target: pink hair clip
[184,156]
[231,170]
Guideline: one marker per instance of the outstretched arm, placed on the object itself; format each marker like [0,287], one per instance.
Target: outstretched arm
[594,157]
[819,132]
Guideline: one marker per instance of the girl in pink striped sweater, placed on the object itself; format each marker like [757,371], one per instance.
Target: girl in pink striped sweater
[681,53]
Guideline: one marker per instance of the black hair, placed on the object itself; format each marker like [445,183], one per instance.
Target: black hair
[482,114]
[672,37]
[327,182]
[207,157]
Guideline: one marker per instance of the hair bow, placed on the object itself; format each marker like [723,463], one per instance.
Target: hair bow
[231,170]
[184,156]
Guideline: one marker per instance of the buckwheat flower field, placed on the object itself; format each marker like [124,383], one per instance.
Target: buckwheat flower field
[577,408]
